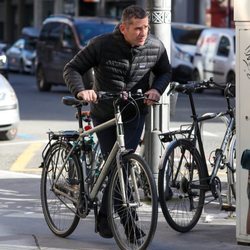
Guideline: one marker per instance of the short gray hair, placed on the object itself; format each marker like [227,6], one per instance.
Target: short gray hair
[133,11]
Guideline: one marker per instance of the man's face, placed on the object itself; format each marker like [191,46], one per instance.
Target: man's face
[136,32]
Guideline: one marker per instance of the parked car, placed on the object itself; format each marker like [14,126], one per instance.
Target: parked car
[21,55]
[9,110]
[3,60]
[215,56]
[183,47]
[61,37]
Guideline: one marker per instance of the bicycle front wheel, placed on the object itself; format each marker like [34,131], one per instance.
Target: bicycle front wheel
[180,184]
[60,189]
[133,221]
[231,174]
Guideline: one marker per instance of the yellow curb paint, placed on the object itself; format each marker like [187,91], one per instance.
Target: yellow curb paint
[21,162]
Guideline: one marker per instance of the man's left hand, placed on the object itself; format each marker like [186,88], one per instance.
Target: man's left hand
[153,96]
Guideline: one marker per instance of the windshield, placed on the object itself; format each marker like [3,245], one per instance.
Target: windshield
[184,35]
[30,44]
[86,31]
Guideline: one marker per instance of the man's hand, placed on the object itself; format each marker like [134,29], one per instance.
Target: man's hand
[153,96]
[87,95]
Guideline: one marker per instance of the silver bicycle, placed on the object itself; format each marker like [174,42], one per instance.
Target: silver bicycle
[74,175]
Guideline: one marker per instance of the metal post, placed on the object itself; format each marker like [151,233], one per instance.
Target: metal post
[158,119]
[8,22]
[38,13]
[58,6]
[229,18]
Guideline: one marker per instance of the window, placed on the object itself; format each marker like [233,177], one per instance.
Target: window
[51,32]
[68,37]
[86,31]
[184,35]
[224,47]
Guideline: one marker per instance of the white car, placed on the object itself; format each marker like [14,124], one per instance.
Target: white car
[183,46]
[9,110]
[215,56]
[3,60]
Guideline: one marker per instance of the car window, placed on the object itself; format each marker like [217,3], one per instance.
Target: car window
[68,37]
[51,32]
[19,44]
[45,31]
[223,47]
[86,31]
[30,44]
[187,35]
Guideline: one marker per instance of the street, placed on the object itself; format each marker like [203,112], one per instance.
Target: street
[44,111]
[22,225]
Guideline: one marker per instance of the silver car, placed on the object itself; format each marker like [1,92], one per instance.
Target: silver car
[21,55]
[9,110]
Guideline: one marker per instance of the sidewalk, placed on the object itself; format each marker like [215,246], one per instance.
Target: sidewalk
[22,225]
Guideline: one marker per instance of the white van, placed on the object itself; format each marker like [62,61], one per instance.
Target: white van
[183,46]
[215,56]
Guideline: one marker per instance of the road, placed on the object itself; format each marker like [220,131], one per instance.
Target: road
[43,111]
[22,224]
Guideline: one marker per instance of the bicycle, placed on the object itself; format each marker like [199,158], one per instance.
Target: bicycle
[74,175]
[184,179]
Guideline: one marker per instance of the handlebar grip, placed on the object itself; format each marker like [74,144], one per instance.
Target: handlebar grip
[72,101]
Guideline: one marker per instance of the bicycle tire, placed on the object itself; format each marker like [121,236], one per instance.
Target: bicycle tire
[231,172]
[59,211]
[134,224]
[181,202]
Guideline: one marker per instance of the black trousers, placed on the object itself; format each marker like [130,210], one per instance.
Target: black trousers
[132,135]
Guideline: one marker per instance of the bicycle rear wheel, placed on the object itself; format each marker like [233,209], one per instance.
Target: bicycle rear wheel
[133,224]
[180,183]
[60,197]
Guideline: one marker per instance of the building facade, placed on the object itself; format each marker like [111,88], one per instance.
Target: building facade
[16,14]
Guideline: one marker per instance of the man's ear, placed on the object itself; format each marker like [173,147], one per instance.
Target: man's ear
[122,27]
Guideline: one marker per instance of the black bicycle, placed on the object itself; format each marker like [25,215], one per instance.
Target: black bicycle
[184,182]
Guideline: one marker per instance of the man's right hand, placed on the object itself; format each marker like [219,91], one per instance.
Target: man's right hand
[87,95]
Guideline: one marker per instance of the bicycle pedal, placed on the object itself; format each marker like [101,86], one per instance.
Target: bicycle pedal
[228,208]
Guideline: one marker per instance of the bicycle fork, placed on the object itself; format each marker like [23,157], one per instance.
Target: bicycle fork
[123,173]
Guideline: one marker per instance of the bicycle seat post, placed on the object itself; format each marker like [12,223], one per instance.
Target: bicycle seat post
[79,109]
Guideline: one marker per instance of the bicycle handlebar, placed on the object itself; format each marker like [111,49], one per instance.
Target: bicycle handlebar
[123,95]
[104,95]
[194,86]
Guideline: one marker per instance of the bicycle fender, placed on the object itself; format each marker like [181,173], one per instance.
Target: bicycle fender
[171,144]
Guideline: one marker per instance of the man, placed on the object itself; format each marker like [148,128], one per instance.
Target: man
[122,60]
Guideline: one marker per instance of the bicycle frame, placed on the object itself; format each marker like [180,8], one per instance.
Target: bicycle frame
[116,152]
[198,138]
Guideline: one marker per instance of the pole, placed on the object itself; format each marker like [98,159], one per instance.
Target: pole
[158,119]
[229,14]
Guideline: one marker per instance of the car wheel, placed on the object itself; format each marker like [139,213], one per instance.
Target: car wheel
[9,134]
[42,84]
